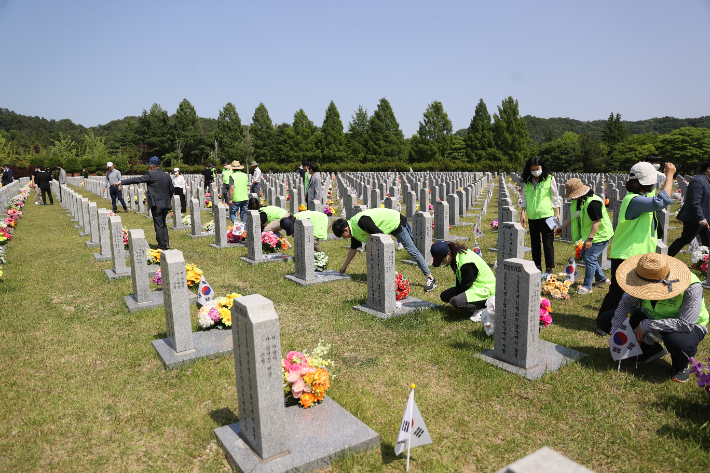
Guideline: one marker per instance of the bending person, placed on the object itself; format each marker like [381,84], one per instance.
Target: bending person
[319,220]
[475,281]
[386,221]
[269,215]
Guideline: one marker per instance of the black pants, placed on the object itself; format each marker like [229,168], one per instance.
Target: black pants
[208,186]
[46,192]
[178,191]
[690,231]
[539,228]
[117,194]
[613,297]
[681,346]
[161,230]
[459,300]
[255,188]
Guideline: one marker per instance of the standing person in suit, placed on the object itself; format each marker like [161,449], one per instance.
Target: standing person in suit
[314,191]
[6,175]
[45,180]
[35,184]
[113,182]
[695,211]
[160,193]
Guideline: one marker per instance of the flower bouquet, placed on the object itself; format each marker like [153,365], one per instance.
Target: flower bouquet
[125,238]
[193,273]
[302,207]
[321,261]
[402,287]
[171,215]
[186,220]
[11,222]
[208,203]
[5,237]
[306,377]
[158,278]
[702,372]
[578,245]
[699,259]
[237,233]
[494,224]
[545,318]
[431,207]
[488,316]
[328,210]
[217,313]
[154,256]
[13,213]
[110,213]
[208,227]
[557,289]
[270,243]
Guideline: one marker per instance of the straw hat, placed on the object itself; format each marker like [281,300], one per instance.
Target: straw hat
[254,163]
[234,165]
[574,188]
[653,277]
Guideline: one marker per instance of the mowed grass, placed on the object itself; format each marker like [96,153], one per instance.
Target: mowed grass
[83,389]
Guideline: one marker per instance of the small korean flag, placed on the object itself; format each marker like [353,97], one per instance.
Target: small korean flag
[477,232]
[571,273]
[412,430]
[622,343]
[693,246]
[399,207]
[204,292]
[476,248]
[520,201]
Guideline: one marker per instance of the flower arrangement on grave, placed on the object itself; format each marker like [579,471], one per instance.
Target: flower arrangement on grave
[11,222]
[494,224]
[186,220]
[110,213]
[488,316]
[606,202]
[217,313]
[208,203]
[302,207]
[171,214]
[401,287]
[13,213]
[82,183]
[135,198]
[237,233]
[328,210]
[545,306]
[288,196]
[5,237]
[702,372]
[320,261]
[125,238]
[193,273]
[699,259]
[208,227]
[158,278]
[207,194]
[578,245]
[557,289]
[431,207]
[154,256]
[270,243]
[306,377]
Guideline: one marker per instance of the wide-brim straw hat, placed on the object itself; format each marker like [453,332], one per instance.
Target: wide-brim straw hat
[575,188]
[254,163]
[234,165]
[653,277]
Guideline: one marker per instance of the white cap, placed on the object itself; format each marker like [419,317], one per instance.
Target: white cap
[109,164]
[176,169]
[645,173]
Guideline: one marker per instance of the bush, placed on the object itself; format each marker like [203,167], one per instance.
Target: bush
[139,169]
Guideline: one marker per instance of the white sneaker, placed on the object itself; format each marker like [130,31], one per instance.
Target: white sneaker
[399,246]
[476,317]
[583,290]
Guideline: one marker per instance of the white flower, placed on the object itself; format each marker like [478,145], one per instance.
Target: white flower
[205,320]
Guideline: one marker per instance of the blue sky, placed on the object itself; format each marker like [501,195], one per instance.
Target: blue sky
[93,62]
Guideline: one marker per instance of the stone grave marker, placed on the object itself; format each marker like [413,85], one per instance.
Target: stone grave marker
[105,237]
[254,250]
[303,241]
[545,460]
[177,215]
[220,228]
[196,221]
[118,252]
[86,225]
[94,225]
[421,229]
[142,297]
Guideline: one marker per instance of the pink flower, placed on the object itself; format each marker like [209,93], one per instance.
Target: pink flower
[214,314]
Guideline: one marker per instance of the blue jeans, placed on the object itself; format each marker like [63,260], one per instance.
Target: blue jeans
[241,207]
[404,236]
[591,265]
[116,194]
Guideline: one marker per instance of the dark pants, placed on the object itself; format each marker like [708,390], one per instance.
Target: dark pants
[161,231]
[117,194]
[459,299]
[690,231]
[681,346]
[538,228]
[255,188]
[613,297]
[208,186]
[178,191]
[225,193]
[46,192]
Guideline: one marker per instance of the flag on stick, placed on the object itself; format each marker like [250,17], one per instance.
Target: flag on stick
[204,292]
[476,248]
[623,343]
[571,273]
[412,430]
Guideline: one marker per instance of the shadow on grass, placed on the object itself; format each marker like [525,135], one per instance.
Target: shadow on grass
[574,322]
[359,278]
[160,335]
[224,416]
[693,421]
[387,451]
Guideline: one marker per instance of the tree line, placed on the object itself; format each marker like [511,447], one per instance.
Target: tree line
[502,141]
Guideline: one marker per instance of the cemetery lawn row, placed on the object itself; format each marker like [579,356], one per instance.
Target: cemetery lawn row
[83,389]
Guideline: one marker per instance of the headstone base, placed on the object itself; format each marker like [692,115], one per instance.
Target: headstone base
[181,227]
[545,460]
[317,436]
[156,300]
[272,258]
[201,235]
[101,257]
[464,224]
[228,245]
[321,277]
[112,276]
[91,244]
[84,234]
[409,305]
[208,344]
[453,238]
[552,358]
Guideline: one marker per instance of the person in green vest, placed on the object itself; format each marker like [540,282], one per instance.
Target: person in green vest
[590,221]
[541,200]
[475,281]
[270,215]
[319,220]
[238,193]
[636,229]
[665,303]
[387,221]
[226,173]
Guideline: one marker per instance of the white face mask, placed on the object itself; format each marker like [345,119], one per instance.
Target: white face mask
[537,173]
[656,167]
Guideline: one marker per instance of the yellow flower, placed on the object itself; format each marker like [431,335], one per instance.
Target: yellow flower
[226,302]
[233,295]
[226,316]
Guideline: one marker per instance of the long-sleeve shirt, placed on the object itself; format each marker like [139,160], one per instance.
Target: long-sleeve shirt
[469,273]
[179,181]
[256,176]
[685,322]
[641,204]
[113,177]
[554,191]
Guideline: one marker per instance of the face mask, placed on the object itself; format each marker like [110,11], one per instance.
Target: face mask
[537,173]
[656,167]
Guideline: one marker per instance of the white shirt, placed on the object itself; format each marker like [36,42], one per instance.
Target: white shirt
[554,191]
[256,175]
[178,181]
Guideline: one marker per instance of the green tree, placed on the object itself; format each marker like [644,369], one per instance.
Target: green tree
[357,137]
[614,130]
[63,149]
[687,148]
[480,144]
[510,132]
[591,153]
[300,140]
[187,137]
[561,155]
[155,137]
[7,154]
[434,134]
[262,135]
[332,137]
[630,151]
[229,134]
[385,139]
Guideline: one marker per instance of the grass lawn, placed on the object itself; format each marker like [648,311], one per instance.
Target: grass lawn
[84,390]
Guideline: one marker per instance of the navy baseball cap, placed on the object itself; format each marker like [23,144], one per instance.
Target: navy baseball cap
[154,160]
[439,251]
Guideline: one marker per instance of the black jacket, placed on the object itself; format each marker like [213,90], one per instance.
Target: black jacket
[160,188]
[43,180]
[696,206]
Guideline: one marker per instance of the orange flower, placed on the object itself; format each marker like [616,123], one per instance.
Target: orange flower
[307,400]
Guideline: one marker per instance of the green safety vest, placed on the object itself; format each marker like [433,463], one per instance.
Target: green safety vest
[386,220]
[318,219]
[633,237]
[605,230]
[305,181]
[241,187]
[273,213]
[225,176]
[669,308]
[485,284]
[539,199]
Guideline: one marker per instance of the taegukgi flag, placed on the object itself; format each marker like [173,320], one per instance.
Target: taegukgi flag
[571,273]
[477,232]
[476,248]
[622,343]
[204,292]
[412,428]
